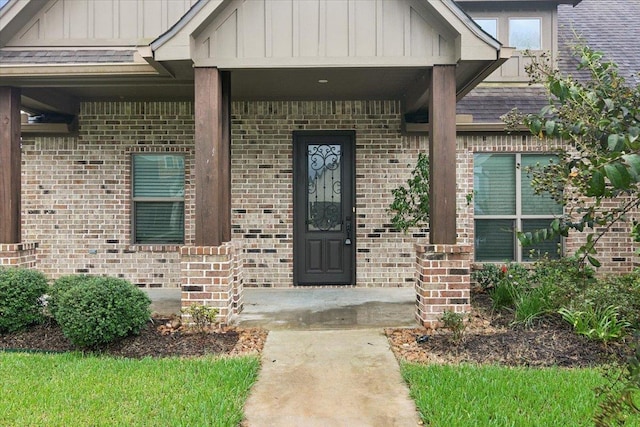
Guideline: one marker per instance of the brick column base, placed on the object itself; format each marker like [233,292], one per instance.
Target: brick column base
[212,276]
[18,255]
[442,281]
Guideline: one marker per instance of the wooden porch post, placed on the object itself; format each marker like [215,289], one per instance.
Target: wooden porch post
[442,154]
[212,158]
[10,159]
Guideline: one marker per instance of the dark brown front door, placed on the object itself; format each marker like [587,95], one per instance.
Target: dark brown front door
[323,208]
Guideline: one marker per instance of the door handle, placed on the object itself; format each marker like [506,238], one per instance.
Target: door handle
[347,227]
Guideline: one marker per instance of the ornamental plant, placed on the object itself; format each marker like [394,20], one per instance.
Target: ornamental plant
[202,316]
[60,286]
[21,302]
[597,175]
[98,310]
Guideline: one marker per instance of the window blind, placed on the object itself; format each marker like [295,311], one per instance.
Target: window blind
[158,195]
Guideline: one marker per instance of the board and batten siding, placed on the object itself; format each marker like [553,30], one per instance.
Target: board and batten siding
[314,32]
[100,22]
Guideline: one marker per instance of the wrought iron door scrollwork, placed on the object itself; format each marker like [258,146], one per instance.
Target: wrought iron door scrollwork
[324,187]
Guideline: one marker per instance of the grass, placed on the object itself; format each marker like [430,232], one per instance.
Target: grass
[72,389]
[468,395]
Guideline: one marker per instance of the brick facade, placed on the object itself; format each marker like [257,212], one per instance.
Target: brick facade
[262,186]
[616,250]
[77,196]
[77,191]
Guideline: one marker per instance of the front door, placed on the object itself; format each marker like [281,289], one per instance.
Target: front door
[323,208]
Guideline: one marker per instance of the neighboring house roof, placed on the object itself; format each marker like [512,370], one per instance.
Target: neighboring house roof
[609,26]
[488,103]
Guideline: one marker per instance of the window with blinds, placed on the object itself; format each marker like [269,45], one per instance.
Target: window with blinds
[158,198]
[504,203]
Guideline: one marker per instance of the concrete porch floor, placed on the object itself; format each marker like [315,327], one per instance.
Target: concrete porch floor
[327,308]
[312,308]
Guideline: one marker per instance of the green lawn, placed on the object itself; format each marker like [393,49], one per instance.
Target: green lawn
[76,390]
[467,395]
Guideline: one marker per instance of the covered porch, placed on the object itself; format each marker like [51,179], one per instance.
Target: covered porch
[426,54]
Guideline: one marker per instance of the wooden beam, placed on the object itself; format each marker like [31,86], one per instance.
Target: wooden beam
[212,157]
[10,159]
[442,155]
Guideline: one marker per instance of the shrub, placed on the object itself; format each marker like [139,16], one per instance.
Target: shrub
[619,291]
[504,295]
[60,286]
[486,277]
[202,316]
[21,292]
[454,322]
[101,310]
[567,277]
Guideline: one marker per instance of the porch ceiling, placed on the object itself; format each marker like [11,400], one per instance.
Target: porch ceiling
[47,94]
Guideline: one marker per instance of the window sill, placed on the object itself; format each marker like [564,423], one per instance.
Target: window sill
[159,247]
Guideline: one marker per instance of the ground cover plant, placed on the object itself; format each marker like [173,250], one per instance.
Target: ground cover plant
[73,389]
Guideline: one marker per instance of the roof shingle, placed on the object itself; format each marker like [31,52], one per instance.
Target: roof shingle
[86,56]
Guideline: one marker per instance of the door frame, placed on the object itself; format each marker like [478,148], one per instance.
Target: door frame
[297,139]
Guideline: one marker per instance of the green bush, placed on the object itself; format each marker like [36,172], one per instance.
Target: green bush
[619,291]
[21,292]
[567,278]
[202,316]
[454,322]
[60,286]
[100,310]
[486,277]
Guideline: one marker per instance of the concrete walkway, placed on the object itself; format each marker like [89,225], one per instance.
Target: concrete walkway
[326,361]
[330,379]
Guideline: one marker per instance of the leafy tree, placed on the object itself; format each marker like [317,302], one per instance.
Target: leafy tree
[597,175]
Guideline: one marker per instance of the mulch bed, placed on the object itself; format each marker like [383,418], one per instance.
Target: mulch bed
[490,338]
[157,339]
